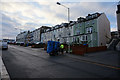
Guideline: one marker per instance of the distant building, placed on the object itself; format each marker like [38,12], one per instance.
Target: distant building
[93,30]
[118,17]
[55,33]
[37,33]
[21,38]
[29,37]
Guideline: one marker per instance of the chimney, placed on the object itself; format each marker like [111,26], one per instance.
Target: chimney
[89,14]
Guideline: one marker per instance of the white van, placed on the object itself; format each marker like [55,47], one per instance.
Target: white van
[3,44]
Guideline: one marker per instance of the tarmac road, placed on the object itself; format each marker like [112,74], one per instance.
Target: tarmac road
[26,62]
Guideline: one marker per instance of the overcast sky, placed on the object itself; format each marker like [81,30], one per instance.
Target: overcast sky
[29,15]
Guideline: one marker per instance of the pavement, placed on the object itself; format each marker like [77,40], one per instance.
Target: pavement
[37,63]
[109,58]
[4,73]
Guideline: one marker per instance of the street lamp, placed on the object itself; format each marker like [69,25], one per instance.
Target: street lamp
[68,21]
[68,10]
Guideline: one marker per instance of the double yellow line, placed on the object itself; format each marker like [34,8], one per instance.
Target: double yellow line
[96,63]
[104,65]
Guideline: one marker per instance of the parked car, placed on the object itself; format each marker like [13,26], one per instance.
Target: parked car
[11,42]
[22,43]
[37,45]
[3,44]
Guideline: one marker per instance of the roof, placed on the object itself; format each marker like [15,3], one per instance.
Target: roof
[88,17]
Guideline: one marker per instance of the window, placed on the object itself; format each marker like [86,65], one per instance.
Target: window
[75,40]
[59,35]
[86,30]
[91,36]
[93,22]
[78,32]
[69,33]
[87,23]
[60,29]
[84,38]
[78,40]
[80,25]
[89,30]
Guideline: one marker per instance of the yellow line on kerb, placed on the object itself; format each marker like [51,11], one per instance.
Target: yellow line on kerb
[104,65]
[100,64]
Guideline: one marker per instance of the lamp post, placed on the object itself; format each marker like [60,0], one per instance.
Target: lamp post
[68,22]
[68,10]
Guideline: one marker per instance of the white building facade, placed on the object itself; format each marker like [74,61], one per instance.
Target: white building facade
[21,38]
[36,35]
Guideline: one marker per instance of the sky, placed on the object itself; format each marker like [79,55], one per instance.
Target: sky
[19,15]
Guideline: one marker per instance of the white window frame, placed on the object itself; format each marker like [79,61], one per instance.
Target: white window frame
[90,29]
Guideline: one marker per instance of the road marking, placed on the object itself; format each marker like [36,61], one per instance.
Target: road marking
[96,63]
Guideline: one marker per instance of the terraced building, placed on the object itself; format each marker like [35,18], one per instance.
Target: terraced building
[93,30]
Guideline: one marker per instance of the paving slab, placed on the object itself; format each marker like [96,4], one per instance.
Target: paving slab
[4,74]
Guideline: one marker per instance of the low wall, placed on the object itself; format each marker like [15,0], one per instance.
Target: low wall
[45,47]
[81,50]
[96,49]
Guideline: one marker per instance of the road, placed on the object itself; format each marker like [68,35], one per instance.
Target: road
[26,62]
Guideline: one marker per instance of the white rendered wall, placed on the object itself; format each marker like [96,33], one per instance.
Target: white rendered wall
[103,26]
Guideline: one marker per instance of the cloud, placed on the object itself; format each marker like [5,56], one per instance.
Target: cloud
[53,14]
[31,15]
[114,29]
[8,27]
[60,0]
